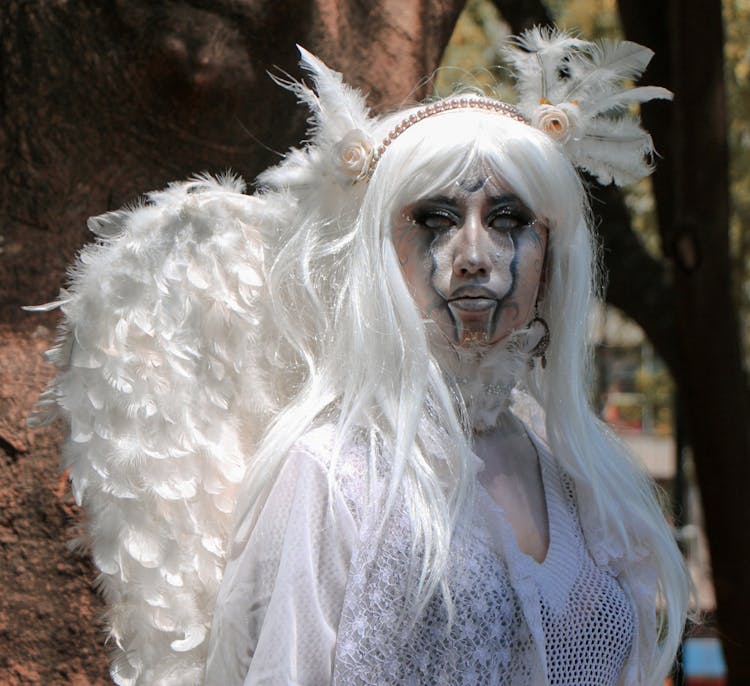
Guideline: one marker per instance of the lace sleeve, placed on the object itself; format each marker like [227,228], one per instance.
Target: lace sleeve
[280,601]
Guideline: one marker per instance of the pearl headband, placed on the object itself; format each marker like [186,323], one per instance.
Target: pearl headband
[439,107]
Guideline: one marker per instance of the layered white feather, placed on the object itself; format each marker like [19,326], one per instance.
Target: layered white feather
[589,83]
[538,55]
[159,382]
[336,111]
[620,154]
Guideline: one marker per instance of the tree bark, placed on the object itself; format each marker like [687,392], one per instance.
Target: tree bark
[102,101]
[523,14]
[692,191]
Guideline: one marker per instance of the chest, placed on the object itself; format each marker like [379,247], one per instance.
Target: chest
[565,621]
[508,620]
[578,621]
[512,476]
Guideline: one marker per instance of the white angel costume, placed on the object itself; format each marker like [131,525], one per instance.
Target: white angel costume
[311,606]
[172,372]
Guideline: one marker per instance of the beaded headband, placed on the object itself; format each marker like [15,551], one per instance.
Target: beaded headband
[487,104]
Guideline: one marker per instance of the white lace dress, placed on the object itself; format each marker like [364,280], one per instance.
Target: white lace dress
[311,601]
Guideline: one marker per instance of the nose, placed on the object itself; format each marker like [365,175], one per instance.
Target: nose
[471,255]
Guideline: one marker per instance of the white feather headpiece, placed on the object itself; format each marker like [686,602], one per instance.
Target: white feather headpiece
[575,91]
[339,140]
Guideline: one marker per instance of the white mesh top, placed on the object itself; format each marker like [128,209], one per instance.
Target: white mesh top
[311,601]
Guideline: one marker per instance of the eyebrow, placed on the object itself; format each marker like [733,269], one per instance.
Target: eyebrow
[474,186]
[505,199]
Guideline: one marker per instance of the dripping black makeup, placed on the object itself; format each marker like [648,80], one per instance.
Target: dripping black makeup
[472,257]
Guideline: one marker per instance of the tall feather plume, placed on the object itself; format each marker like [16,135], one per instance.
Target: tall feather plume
[538,54]
[585,85]
[335,107]
[336,110]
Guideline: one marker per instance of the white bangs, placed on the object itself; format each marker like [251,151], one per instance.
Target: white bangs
[441,149]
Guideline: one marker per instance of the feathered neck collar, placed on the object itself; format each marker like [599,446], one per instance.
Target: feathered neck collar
[484,378]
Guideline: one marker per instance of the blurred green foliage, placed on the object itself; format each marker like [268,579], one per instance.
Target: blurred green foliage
[737,70]
[472,57]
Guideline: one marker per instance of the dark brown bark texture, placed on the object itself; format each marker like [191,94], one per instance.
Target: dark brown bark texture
[102,101]
[99,102]
[692,189]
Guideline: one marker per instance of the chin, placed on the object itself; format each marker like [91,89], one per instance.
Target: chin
[482,339]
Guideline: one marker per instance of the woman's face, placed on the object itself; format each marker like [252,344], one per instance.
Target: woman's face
[472,256]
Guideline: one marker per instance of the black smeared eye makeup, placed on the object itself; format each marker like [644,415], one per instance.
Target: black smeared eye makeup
[509,216]
[441,213]
[436,215]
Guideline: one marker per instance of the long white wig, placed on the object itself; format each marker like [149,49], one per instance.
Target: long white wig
[349,345]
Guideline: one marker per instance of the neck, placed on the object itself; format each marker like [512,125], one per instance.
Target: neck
[485,377]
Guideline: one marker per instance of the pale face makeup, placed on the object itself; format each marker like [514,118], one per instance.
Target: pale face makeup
[472,256]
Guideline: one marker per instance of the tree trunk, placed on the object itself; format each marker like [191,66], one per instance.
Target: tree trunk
[692,191]
[102,101]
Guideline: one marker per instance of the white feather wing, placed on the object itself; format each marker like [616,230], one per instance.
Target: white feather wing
[159,385]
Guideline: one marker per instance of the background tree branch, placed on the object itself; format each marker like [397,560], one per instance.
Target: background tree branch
[636,282]
[523,14]
[692,191]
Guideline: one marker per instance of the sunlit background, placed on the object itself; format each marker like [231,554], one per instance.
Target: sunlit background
[631,387]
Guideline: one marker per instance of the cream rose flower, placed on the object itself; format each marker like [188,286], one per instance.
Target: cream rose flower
[560,122]
[353,155]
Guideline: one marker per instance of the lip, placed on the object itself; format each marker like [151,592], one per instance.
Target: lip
[473,292]
[473,304]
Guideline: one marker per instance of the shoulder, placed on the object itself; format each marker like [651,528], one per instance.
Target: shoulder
[320,458]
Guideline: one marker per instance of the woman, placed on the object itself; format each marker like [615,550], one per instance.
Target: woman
[429,498]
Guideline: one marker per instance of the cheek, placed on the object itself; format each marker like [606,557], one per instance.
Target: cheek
[518,308]
[422,258]
[413,250]
[530,265]
[504,258]
[440,257]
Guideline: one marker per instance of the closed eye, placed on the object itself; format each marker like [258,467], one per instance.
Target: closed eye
[508,221]
[436,218]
